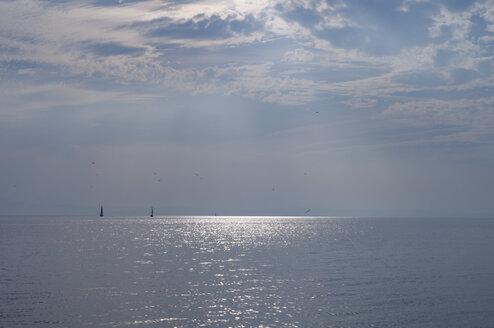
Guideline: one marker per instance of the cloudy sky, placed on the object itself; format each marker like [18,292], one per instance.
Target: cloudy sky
[345,107]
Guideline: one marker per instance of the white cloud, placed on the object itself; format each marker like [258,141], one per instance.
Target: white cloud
[486,11]
[56,36]
[360,102]
[254,81]
[471,114]
[458,22]
[20,101]
[298,55]
[405,5]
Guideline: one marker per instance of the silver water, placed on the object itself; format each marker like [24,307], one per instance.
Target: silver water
[245,272]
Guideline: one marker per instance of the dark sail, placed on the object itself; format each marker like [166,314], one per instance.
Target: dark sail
[152,212]
[101,211]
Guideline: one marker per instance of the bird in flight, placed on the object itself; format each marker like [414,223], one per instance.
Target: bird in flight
[197,175]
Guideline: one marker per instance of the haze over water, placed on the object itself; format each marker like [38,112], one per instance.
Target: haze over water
[58,271]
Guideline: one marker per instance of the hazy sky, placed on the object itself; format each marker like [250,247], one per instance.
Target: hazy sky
[247,107]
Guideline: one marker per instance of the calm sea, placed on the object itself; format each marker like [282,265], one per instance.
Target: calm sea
[245,272]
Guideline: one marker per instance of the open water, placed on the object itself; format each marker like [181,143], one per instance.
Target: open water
[245,272]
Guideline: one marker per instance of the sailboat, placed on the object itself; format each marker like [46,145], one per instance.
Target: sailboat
[152,212]
[101,211]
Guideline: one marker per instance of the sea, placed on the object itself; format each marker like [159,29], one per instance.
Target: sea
[69,271]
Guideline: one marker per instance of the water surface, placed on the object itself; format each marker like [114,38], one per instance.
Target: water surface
[245,272]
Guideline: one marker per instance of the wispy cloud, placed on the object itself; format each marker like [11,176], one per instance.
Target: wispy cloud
[226,48]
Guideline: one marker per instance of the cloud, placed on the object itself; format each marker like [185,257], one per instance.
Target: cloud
[360,102]
[202,26]
[304,16]
[19,102]
[200,46]
[252,81]
[473,115]
[298,55]
[114,49]
[90,42]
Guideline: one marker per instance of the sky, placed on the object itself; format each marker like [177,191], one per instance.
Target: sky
[353,108]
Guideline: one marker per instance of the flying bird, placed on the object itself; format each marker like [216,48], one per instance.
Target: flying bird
[307,211]
[197,175]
